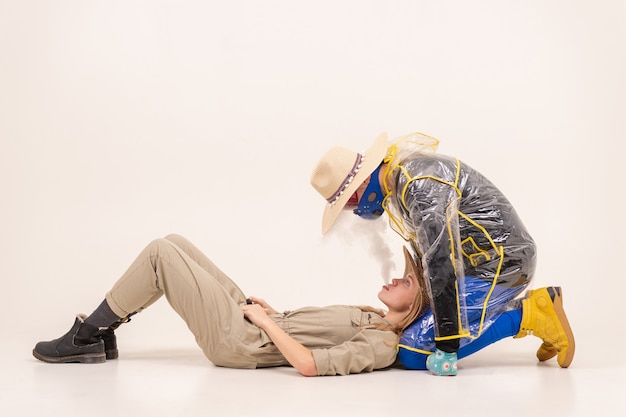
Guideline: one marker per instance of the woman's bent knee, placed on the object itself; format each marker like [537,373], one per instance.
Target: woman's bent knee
[176,239]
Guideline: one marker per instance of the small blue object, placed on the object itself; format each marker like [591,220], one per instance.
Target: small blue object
[442,363]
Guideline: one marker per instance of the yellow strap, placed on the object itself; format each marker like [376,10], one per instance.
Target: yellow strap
[412,349]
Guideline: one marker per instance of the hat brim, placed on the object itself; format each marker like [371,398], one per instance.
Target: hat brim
[373,157]
[409,264]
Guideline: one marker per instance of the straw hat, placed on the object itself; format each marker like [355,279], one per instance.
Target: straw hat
[410,265]
[340,172]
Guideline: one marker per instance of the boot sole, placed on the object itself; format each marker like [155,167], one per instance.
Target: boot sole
[546,354]
[560,313]
[111,354]
[83,358]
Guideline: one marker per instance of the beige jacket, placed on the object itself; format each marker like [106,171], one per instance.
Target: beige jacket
[343,339]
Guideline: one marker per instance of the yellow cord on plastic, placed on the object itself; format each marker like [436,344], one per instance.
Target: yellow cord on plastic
[407,234]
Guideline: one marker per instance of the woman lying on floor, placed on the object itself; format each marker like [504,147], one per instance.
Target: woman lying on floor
[239,332]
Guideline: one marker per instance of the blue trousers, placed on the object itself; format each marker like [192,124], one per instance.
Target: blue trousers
[506,324]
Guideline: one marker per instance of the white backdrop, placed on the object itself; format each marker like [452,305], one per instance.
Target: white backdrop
[122,121]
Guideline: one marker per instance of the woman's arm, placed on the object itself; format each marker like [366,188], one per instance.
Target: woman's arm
[296,354]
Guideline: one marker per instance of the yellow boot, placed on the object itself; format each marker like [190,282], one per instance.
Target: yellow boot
[546,351]
[544,317]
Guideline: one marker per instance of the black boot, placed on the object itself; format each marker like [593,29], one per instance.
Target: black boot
[108,336]
[110,343]
[80,344]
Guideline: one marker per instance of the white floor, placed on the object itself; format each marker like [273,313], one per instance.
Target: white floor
[161,375]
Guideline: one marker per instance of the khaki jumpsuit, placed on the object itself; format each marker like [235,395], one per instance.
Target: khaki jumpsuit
[342,338]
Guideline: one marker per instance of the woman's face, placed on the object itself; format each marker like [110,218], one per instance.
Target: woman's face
[400,294]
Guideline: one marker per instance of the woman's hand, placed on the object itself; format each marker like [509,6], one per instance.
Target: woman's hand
[296,354]
[268,309]
[256,314]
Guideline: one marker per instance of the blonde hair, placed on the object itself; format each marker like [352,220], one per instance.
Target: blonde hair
[417,308]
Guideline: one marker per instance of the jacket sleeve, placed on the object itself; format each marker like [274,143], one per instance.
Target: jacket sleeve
[368,350]
[432,208]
